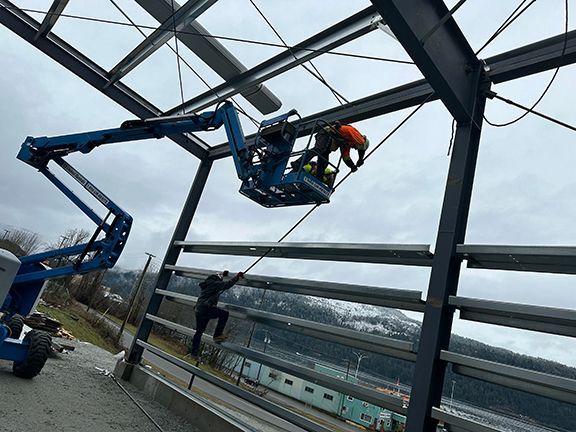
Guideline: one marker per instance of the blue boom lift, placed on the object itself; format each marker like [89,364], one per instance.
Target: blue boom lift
[261,165]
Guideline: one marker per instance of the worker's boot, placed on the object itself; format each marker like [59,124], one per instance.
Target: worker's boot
[219,339]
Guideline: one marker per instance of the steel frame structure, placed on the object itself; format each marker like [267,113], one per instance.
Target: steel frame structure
[453,74]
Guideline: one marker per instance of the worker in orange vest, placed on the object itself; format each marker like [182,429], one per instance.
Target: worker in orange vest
[350,138]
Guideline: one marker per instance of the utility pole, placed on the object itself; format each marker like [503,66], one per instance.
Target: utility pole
[360,357]
[452,395]
[267,340]
[133,299]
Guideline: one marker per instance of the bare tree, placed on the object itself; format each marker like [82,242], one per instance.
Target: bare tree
[58,290]
[20,242]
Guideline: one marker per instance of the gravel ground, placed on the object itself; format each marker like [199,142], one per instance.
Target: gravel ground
[70,394]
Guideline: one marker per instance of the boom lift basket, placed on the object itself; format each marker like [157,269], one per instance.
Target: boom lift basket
[276,185]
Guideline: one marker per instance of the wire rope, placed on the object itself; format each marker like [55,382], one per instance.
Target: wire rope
[528,111]
[316,73]
[511,18]
[532,111]
[177,56]
[309,212]
[238,106]
[228,38]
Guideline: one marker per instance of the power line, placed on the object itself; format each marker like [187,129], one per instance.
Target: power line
[529,110]
[228,38]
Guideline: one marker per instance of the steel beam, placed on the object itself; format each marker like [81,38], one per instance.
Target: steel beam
[438,316]
[181,18]
[51,17]
[531,59]
[454,423]
[171,256]
[517,63]
[214,54]
[76,62]
[343,336]
[539,383]
[387,297]
[537,318]
[345,31]
[545,259]
[417,255]
[444,56]
[266,405]
[371,396]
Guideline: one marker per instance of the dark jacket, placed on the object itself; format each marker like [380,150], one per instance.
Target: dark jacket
[211,288]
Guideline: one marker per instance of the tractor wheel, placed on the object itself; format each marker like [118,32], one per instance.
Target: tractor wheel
[38,350]
[16,324]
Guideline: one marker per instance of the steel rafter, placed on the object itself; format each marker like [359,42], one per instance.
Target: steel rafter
[441,52]
[213,53]
[51,17]
[517,63]
[73,60]
[174,23]
[345,31]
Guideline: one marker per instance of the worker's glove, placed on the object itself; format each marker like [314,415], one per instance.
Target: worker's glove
[353,168]
[240,275]
[360,163]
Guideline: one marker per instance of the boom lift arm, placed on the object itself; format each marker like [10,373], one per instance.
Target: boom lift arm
[261,166]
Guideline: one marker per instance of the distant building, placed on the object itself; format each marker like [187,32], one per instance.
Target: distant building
[344,406]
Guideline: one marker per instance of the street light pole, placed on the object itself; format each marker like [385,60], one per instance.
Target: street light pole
[267,340]
[452,394]
[360,357]
[133,299]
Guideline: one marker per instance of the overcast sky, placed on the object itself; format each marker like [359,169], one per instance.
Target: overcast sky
[522,192]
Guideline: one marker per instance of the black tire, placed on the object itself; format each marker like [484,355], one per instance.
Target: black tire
[15,324]
[38,351]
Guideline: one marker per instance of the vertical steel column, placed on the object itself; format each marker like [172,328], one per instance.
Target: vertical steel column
[438,316]
[171,256]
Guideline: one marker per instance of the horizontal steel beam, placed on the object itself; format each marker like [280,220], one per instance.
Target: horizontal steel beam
[387,297]
[441,52]
[363,341]
[207,47]
[538,318]
[51,17]
[378,104]
[174,23]
[454,423]
[539,383]
[517,63]
[383,400]
[417,255]
[545,259]
[76,62]
[272,408]
[531,59]
[338,34]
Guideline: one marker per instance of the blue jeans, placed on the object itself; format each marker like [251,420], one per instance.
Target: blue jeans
[203,316]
